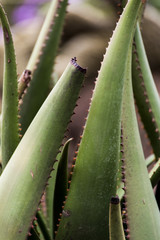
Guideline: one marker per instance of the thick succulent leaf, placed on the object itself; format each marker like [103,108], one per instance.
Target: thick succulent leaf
[145,92]
[86,212]
[42,60]
[142,218]
[50,197]
[25,176]
[61,185]
[154,174]
[9,129]
[54,183]
[116,231]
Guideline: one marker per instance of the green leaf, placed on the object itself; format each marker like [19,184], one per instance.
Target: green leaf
[155,3]
[42,60]
[86,212]
[116,231]
[43,226]
[61,184]
[145,93]
[56,184]
[9,129]
[151,159]
[143,219]
[25,176]
[154,174]
[33,235]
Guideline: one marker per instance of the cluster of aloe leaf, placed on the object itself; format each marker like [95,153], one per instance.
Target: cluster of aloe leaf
[109,193]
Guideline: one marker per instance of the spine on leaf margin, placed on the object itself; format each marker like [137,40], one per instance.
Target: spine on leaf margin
[24,178]
[9,129]
[142,214]
[42,61]
[94,177]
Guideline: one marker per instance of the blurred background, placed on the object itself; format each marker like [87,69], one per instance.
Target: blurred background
[87,30]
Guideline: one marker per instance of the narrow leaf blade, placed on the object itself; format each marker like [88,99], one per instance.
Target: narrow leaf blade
[9,129]
[116,231]
[143,219]
[145,92]
[42,61]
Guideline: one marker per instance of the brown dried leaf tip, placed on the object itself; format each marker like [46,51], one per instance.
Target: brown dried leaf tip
[26,77]
[74,63]
[115,200]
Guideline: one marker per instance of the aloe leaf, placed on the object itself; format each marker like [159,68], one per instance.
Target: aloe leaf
[9,130]
[116,231]
[142,218]
[58,177]
[49,199]
[154,174]
[30,165]
[145,92]
[42,60]
[43,226]
[34,235]
[86,212]
[151,159]
[61,185]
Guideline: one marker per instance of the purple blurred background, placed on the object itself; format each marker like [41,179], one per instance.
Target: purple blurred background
[29,9]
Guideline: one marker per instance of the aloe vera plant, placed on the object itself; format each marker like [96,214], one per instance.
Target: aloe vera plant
[109,192]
